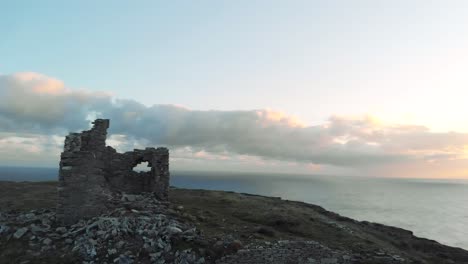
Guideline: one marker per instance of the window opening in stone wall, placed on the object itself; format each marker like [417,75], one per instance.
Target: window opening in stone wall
[142,166]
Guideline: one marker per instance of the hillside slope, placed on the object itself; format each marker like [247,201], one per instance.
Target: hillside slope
[230,228]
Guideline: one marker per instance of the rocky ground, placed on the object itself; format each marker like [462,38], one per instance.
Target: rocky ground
[199,226]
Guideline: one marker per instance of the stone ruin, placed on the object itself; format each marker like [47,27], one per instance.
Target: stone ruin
[90,172]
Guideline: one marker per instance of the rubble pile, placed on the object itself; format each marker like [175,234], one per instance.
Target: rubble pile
[137,230]
[142,229]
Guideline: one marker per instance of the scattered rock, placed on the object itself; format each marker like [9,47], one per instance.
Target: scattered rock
[131,197]
[61,230]
[173,230]
[4,229]
[117,236]
[47,241]
[39,228]
[123,259]
[20,232]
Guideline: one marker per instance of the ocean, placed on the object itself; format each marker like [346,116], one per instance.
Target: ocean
[434,209]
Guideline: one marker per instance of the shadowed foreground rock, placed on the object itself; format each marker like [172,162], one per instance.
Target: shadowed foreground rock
[200,226]
[138,230]
[142,229]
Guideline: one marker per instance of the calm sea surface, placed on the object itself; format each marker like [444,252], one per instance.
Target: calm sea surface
[435,209]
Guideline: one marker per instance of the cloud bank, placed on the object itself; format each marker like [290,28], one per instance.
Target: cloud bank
[32,103]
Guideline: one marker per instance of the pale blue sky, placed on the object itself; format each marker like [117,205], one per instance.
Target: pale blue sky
[310,59]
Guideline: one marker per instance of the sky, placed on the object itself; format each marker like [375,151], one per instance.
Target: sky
[374,88]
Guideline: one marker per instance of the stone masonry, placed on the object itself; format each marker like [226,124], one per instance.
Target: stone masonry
[90,172]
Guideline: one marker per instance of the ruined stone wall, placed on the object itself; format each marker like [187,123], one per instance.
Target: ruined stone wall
[90,172]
